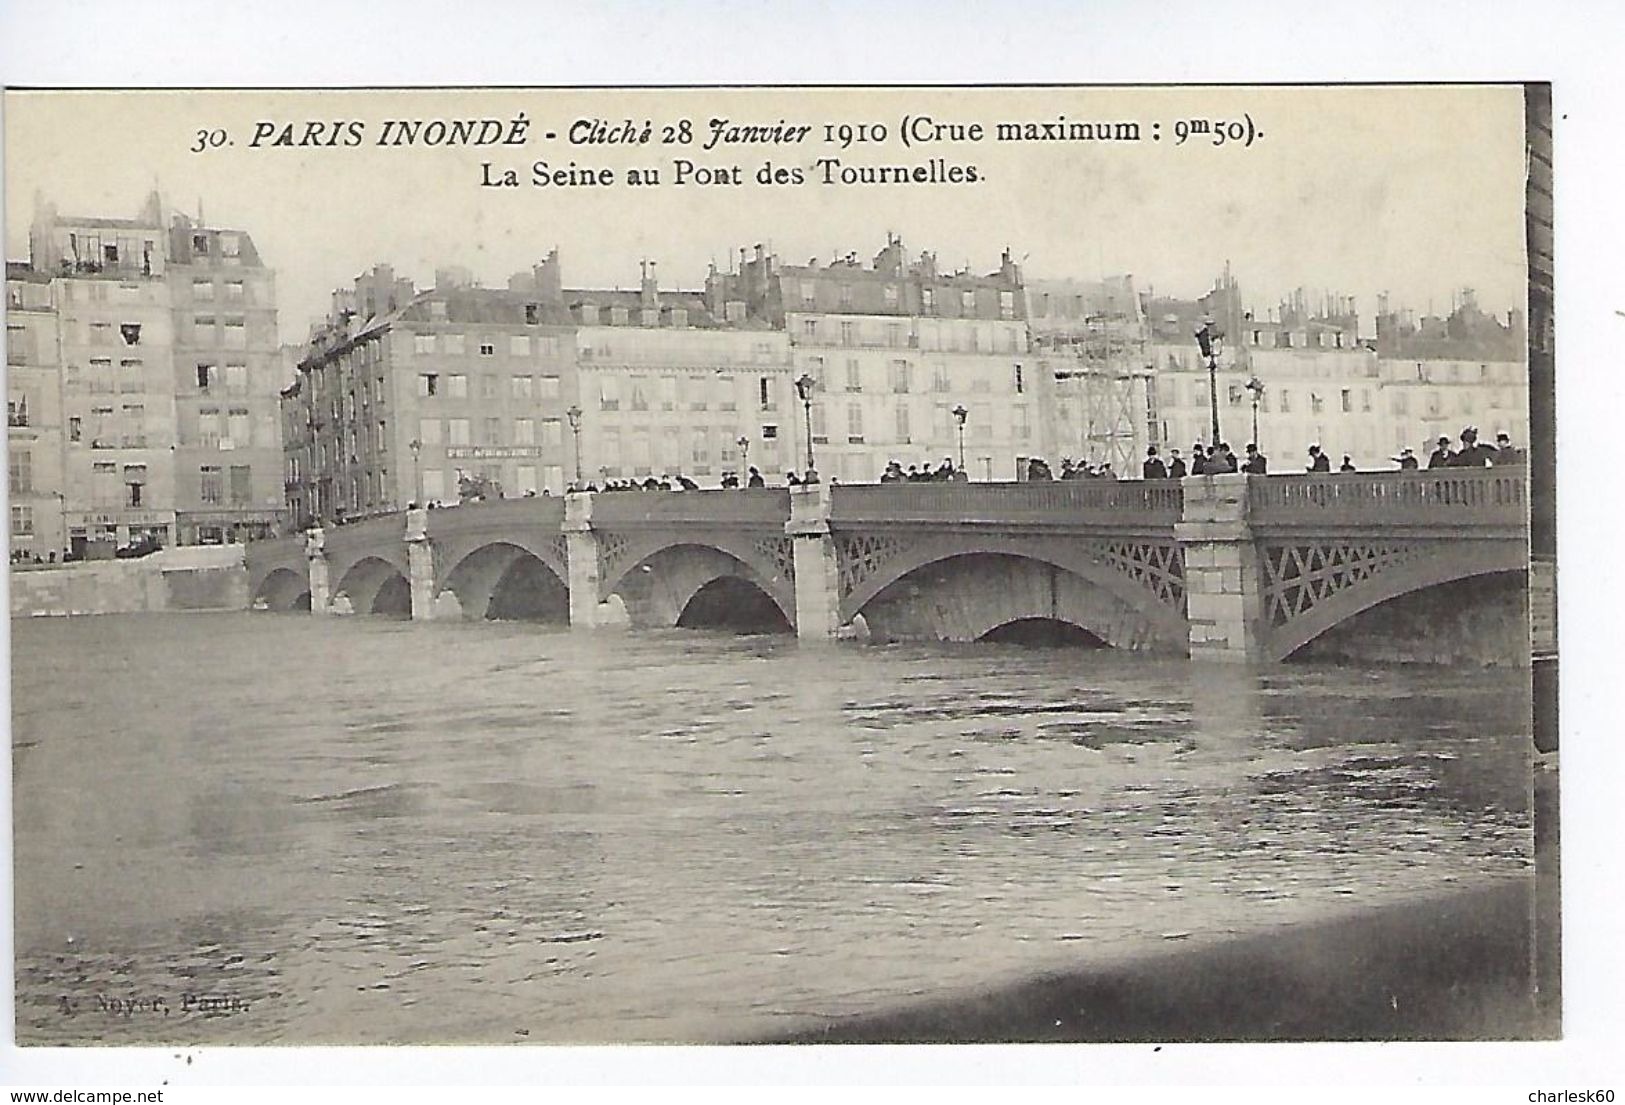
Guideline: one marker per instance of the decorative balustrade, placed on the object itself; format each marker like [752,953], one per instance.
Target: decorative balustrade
[767,506]
[543,510]
[1108,503]
[1467,500]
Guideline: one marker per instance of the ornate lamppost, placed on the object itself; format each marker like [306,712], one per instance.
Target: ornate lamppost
[1256,386]
[417,480]
[574,415]
[960,414]
[744,460]
[1208,339]
[804,389]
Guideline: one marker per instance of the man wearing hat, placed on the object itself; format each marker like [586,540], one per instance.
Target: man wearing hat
[1442,456]
[1504,451]
[1407,459]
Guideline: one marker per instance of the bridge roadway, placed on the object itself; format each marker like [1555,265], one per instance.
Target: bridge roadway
[1230,567]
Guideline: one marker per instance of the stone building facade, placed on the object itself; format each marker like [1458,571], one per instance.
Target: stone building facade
[168,379]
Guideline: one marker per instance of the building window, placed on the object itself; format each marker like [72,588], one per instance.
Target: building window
[522,387]
[488,386]
[1346,397]
[205,378]
[894,335]
[1286,401]
[203,290]
[854,424]
[967,302]
[809,292]
[491,431]
[639,398]
[22,472]
[238,429]
[890,293]
[809,329]
[939,377]
[1021,384]
[519,345]
[75,428]
[236,379]
[899,377]
[429,431]
[854,375]
[1007,304]
[488,349]
[423,344]
[434,485]
[208,428]
[902,424]
[235,291]
[235,334]
[765,388]
[457,387]
[428,385]
[458,430]
[928,301]
[1021,429]
[524,431]
[209,488]
[22,521]
[668,393]
[549,386]
[819,433]
[452,344]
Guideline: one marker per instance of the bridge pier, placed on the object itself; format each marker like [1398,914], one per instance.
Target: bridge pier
[818,575]
[1224,599]
[420,565]
[317,567]
[581,546]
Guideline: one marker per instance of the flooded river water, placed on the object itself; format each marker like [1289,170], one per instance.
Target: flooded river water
[241,828]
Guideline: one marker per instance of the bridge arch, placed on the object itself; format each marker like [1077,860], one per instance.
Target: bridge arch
[376,586]
[505,580]
[659,586]
[1425,567]
[1032,578]
[283,589]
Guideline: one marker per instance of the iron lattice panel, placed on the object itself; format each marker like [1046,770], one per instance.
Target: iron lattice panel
[861,555]
[778,552]
[1158,566]
[611,551]
[561,549]
[1299,576]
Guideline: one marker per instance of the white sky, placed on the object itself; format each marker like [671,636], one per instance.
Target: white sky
[1414,190]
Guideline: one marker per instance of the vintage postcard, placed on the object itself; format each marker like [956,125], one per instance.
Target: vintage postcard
[770,564]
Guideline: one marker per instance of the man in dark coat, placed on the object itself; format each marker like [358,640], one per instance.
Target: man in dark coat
[1153,468]
[1440,457]
[1176,466]
[1319,461]
[1257,463]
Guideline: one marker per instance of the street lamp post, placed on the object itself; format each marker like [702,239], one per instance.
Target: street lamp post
[417,480]
[744,459]
[1208,339]
[574,415]
[960,414]
[804,389]
[1256,386]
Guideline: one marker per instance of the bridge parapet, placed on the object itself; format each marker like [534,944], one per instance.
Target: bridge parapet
[1459,502]
[761,506]
[545,511]
[1093,504]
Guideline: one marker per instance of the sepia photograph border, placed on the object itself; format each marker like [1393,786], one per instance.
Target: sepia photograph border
[1568,285]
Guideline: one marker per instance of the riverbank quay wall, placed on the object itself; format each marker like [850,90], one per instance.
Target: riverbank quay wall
[1230,568]
[193,577]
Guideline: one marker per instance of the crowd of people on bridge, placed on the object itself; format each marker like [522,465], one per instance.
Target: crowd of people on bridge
[917,473]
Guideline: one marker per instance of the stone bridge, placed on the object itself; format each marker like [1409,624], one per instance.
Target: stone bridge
[1222,567]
